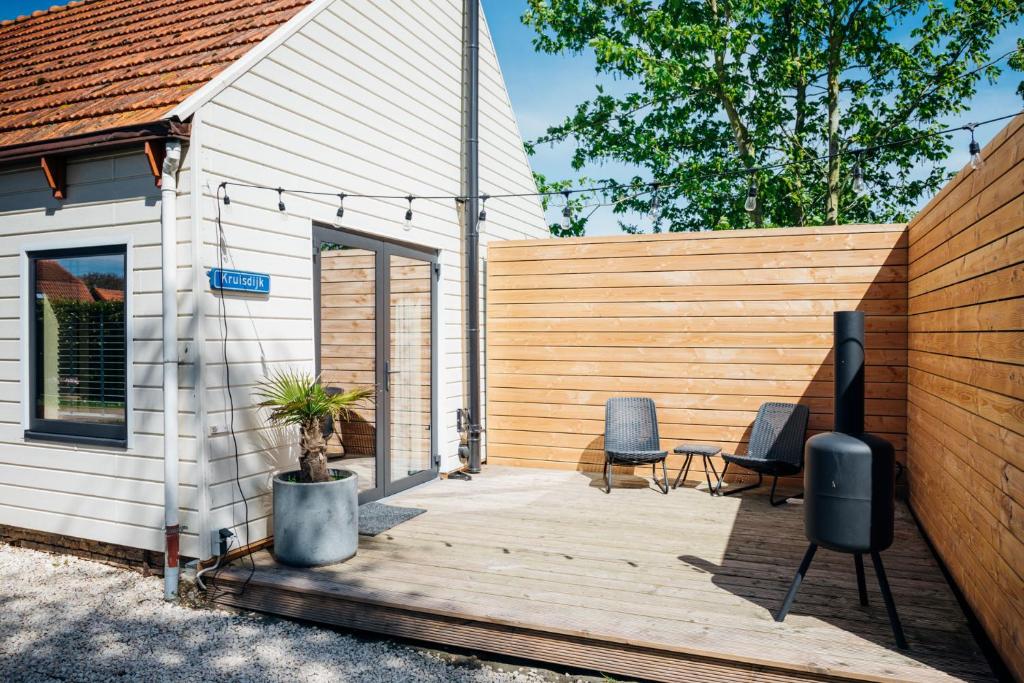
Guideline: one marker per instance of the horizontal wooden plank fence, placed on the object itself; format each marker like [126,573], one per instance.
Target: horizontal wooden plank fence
[710,325]
[966,384]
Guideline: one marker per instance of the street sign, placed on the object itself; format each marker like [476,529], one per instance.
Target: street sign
[239,281]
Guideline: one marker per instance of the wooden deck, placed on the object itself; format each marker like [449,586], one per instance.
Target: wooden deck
[542,565]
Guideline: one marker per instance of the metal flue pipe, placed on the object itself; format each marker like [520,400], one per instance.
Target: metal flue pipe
[849,371]
[471,190]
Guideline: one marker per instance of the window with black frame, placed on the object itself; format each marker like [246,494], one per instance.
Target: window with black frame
[78,345]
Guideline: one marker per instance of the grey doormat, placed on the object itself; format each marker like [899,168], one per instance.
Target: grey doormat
[375,518]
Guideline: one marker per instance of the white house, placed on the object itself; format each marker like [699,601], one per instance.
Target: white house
[118,129]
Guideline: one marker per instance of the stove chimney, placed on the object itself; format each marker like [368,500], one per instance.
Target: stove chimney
[848,328]
[849,477]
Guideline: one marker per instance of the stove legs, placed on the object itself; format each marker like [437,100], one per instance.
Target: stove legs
[795,586]
[858,559]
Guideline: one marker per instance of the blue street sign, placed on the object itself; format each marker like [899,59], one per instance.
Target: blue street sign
[239,281]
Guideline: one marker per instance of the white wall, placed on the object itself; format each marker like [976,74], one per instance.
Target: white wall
[366,98]
[106,494]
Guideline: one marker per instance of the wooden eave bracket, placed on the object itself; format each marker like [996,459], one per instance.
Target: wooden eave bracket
[155,152]
[55,171]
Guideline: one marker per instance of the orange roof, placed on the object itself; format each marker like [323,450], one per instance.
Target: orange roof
[99,65]
[57,283]
[104,294]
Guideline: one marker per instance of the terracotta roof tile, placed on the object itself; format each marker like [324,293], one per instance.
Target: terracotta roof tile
[92,66]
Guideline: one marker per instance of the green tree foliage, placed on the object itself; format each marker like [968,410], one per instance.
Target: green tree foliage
[716,91]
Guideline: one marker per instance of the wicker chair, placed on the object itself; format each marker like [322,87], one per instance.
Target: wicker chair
[776,447]
[631,438]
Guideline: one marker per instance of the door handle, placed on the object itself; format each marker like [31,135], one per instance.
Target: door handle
[387,375]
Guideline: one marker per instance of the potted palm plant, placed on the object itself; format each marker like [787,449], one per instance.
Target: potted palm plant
[316,508]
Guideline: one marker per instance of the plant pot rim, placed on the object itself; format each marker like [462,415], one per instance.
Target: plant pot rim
[345,476]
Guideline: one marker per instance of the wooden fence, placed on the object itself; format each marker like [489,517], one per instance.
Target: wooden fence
[710,325]
[966,384]
[713,324]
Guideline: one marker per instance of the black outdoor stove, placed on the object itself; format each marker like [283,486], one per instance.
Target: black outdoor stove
[849,478]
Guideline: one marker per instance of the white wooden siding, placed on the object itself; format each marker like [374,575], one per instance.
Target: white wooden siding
[105,494]
[366,98]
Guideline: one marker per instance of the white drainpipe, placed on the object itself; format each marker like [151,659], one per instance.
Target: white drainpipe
[169,291]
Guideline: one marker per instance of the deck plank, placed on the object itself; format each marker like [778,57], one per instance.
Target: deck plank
[541,564]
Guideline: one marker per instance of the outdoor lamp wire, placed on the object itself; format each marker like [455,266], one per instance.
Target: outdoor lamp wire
[653,187]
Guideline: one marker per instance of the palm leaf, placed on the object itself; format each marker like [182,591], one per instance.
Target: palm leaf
[295,397]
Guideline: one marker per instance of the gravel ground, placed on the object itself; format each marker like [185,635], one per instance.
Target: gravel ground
[67,619]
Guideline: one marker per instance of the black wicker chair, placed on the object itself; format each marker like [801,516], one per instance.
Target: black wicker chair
[776,447]
[631,438]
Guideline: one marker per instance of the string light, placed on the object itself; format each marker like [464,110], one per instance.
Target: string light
[654,208]
[859,188]
[974,148]
[483,208]
[566,212]
[341,206]
[751,204]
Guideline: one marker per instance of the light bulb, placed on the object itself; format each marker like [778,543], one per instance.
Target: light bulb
[341,207]
[566,213]
[280,199]
[654,208]
[751,204]
[408,215]
[859,187]
[977,161]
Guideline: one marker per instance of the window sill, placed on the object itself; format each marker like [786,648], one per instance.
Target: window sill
[75,439]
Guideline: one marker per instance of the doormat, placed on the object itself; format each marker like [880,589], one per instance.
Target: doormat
[375,518]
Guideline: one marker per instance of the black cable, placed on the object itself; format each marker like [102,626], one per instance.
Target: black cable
[223,311]
[642,187]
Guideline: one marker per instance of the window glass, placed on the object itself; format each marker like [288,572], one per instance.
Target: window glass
[79,343]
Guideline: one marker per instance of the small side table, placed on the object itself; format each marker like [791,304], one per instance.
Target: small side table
[706,452]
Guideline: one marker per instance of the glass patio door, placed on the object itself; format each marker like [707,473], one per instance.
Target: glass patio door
[375,326]
[409,366]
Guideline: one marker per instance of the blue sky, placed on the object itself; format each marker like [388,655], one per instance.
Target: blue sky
[544,88]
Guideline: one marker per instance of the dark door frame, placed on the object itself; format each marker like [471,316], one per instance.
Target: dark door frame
[383,249]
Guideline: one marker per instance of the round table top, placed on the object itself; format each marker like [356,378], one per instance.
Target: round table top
[697,449]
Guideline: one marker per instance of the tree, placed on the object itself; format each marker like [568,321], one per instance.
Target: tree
[296,398]
[720,92]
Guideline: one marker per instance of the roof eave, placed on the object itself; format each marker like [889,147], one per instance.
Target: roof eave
[89,142]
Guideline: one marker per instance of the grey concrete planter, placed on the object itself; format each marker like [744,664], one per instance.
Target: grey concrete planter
[316,524]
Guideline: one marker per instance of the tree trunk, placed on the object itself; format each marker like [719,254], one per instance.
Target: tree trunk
[832,198]
[832,204]
[799,124]
[313,459]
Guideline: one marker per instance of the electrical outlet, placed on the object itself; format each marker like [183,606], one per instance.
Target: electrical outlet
[221,539]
